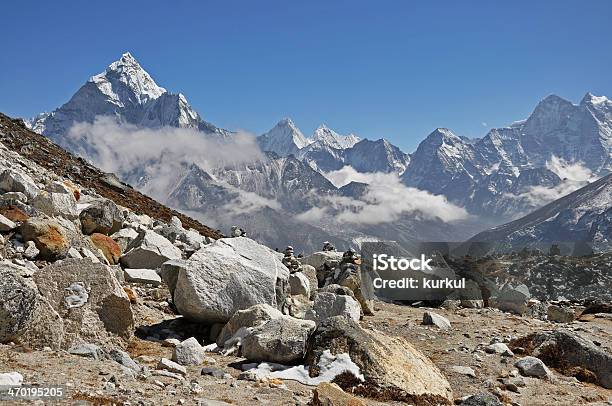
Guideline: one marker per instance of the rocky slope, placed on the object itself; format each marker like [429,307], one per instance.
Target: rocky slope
[582,216]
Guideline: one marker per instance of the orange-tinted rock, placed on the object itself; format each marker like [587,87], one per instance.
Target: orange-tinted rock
[131,294]
[14,214]
[108,246]
[48,235]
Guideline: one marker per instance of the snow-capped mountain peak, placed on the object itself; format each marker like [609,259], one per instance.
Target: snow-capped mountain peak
[126,81]
[326,136]
[284,139]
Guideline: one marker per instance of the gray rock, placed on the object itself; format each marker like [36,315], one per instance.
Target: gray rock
[31,251]
[511,299]
[13,181]
[56,204]
[103,217]
[123,358]
[148,276]
[390,365]
[311,273]
[12,198]
[462,370]
[434,319]
[532,366]
[124,237]
[299,284]
[169,272]
[327,304]
[318,259]
[87,350]
[228,275]
[6,224]
[149,251]
[189,352]
[482,399]
[212,371]
[281,340]
[90,301]
[251,317]
[171,366]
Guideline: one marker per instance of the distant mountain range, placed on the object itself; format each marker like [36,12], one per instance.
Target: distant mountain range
[506,174]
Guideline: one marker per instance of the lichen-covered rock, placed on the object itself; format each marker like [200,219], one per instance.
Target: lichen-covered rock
[393,369]
[93,305]
[49,236]
[25,315]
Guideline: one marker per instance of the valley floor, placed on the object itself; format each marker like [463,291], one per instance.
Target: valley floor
[104,383]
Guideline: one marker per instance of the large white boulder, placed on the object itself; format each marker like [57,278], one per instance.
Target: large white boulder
[228,275]
[149,251]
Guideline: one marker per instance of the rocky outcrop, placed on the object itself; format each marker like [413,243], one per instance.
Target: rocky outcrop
[228,275]
[282,340]
[393,369]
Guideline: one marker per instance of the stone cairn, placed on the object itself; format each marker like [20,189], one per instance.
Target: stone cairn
[327,246]
[290,261]
[237,232]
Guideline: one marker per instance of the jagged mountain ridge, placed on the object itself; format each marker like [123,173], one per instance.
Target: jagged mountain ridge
[328,151]
[494,175]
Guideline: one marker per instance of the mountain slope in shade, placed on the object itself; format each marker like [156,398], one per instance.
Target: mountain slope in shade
[125,91]
[584,215]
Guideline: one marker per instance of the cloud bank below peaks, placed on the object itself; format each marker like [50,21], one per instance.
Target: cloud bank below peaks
[385,200]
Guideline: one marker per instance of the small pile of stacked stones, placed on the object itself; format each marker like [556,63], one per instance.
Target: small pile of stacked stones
[350,262]
[238,232]
[290,261]
[327,246]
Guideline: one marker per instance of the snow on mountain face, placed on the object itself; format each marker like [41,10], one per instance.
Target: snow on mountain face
[326,136]
[584,215]
[125,91]
[328,151]
[284,139]
[506,173]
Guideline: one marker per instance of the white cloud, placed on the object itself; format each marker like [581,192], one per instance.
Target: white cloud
[161,155]
[574,175]
[575,171]
[385,200]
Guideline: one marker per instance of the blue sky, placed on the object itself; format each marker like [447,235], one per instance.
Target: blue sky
[394,69]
